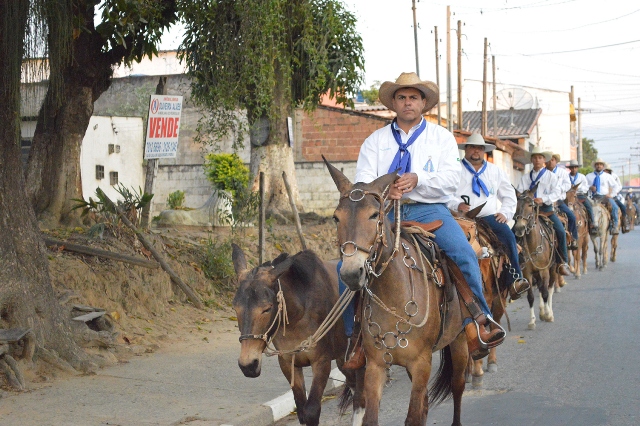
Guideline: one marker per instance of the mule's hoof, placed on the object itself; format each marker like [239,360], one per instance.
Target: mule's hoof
[578,277]
[492,368]
[549,319]
[476,382]
[532,326]
[468,378]
[558,290]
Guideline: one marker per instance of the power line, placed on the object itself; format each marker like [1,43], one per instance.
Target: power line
[582,50]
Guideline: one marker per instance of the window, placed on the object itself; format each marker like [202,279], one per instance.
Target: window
[99,172]
[111,148]
[113,178]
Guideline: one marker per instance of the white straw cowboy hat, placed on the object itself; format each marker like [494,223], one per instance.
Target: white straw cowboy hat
[539,151]
[409,79]
[476,139]
[599,160]
[607,166]
[574,163]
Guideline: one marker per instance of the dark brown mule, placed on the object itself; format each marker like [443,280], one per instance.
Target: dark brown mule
[579,256]
[284,302]
[538,248]
[494,280]
[401,322]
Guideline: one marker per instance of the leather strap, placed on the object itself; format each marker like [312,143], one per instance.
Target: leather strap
[429,227]
[465,293]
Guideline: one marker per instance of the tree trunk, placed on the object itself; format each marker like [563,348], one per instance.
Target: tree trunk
[275,156]
[27,298]
[53,170]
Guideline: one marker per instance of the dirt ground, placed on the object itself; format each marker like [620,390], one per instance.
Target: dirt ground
[145,310]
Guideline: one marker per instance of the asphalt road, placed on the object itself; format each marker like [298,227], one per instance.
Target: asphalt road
[581,370]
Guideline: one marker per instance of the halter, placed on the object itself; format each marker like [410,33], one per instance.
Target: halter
[532,223]
[531,219]
[280,318]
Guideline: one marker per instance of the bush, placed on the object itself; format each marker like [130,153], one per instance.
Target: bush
[217,264]
[176,200]
[226,172]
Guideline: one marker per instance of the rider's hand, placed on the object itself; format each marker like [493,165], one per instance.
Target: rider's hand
[463,207]
[500,218]
[592,188]
[404,184]
[538,200]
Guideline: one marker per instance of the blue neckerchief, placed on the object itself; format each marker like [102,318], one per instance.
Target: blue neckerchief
[404,161]
[596,181]
[555,168]
[533,182]
[573,179]
[476,183]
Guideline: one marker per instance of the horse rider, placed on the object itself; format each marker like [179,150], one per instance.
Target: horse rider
[601,185]
[565,185]
[616,196]
[427,157]
[484,182]
[579,179]
[547,193]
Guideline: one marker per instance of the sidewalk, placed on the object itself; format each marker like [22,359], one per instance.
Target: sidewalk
[199,386]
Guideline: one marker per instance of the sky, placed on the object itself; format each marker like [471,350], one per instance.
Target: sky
[591,45]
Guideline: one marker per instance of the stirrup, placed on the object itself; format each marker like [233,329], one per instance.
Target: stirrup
[518,280]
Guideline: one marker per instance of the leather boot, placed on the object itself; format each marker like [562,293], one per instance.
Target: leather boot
[519,286]
[476,349]
[486,339]
[563,269]
[356,358]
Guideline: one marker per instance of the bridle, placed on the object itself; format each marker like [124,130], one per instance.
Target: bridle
[531,218]
[375,249]
[279,319]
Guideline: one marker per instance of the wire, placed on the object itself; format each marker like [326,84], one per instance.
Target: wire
[581,50]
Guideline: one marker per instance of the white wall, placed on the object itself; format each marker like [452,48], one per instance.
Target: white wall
[127,132]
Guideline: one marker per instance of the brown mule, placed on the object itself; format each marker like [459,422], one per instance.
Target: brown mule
[579,256]
[402,322]
[283,303]
[538,246]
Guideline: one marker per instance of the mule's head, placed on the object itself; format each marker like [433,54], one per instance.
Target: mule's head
[256,307]
[572,194]
[361,223]
[525,211]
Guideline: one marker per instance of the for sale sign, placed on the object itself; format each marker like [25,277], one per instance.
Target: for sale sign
[163,126]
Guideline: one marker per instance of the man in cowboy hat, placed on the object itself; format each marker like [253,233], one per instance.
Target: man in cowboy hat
[615,192]
[601,185]
[579,179]
[484,182]
[546,194]
[565,185]
[427,158]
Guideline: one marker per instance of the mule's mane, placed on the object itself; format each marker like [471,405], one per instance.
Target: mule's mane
[306,264]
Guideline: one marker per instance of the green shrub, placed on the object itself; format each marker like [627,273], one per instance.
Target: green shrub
[226,172]
[217,264]
[175,200]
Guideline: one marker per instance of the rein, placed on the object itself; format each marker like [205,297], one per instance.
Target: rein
[534,219]
[280,318]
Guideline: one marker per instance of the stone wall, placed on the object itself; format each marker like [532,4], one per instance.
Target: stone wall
[318,193]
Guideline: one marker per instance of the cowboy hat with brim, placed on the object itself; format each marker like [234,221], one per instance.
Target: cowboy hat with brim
[607,166]
[574,163]
[537,151]
[476,139]
[599,160]
[409,80]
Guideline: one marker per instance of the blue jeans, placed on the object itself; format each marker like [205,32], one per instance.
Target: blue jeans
[571,219]
[623,209]
[614,209]
[587,205]
[505,235]
[560,232]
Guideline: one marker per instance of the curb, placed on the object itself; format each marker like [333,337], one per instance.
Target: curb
[282,406]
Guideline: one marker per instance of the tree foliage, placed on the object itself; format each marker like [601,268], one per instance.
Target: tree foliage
[237,52]
[589,155]
[371,95]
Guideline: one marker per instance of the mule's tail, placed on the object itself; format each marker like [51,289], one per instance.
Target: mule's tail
[441,386]
[345,400]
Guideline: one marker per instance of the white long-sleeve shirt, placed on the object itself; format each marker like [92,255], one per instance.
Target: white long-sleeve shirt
[500,189]
[434,158]
[581,180]
[607,184]
[548,186]
[563,180]
[618,185]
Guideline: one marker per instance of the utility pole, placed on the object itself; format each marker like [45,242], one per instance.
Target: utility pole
[438,73]
[495,112]
[415,36]
[580,152]
[459,75]
[449,113]
[484,92]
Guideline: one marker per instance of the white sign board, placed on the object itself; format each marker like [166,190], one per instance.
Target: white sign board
[163,126]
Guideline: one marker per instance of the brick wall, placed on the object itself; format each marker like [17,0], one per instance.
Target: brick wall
[335,132]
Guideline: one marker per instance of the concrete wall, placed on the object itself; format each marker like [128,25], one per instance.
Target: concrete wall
[318,193]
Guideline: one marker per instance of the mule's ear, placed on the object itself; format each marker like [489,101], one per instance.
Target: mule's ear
[533,190]
[575,186]
[239,261]
[471,214]
[383,182]
[341,181]
[281,268]
[518,193]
